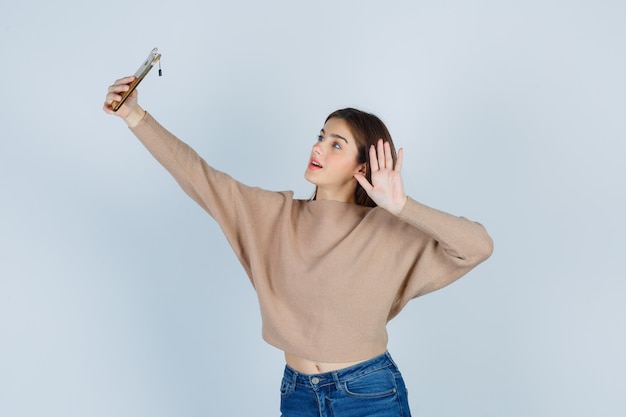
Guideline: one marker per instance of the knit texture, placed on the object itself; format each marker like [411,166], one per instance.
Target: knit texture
[328,275]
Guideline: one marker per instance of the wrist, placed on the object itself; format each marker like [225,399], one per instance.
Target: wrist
[402,204]
[397,207]
[135,116]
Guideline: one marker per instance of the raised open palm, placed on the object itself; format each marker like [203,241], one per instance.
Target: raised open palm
[386,187]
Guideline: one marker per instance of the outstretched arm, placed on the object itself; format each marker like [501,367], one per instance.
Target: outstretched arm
[237,208]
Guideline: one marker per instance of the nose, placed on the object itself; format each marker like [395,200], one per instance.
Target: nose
[317,148]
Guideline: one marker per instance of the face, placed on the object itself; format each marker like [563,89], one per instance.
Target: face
[334,161]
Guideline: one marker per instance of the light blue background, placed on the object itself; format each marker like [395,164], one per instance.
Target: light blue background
[120,297]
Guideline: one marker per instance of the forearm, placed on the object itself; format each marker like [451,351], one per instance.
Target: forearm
[466,240]
[179,159]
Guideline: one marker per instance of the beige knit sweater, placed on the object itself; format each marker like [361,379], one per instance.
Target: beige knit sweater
[328,275]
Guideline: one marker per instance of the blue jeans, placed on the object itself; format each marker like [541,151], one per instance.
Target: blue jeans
[371,388]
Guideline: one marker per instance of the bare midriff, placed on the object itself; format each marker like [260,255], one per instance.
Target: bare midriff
[306,366]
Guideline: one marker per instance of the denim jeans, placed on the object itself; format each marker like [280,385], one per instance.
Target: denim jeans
[371,388]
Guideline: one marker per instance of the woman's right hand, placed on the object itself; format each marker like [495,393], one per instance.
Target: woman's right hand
[130,111]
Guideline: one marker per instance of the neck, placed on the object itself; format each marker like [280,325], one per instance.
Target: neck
[344,196]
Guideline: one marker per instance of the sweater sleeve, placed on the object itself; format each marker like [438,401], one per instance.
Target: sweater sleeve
[246,215]
[455,246]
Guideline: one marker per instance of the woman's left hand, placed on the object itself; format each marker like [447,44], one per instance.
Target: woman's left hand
[386,187]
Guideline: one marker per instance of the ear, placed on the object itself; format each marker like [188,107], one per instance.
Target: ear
[363,169]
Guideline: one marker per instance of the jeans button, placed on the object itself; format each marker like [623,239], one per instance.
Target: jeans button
[315,380]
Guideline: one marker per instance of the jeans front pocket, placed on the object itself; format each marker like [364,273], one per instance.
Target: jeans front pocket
[286,387]
[377,384]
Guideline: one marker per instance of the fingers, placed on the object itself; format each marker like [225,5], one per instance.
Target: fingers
[125,80]
[381,157]
[387,156]
[120,86]
[399,160]
[364,182]
[115,91]
[382,160]
[378,158]
[373,159]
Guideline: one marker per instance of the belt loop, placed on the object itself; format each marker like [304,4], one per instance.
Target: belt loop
[336,379]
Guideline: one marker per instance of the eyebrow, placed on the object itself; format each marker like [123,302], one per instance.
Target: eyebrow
[334,135]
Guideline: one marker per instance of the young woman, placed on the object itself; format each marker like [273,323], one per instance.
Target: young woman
[329,272]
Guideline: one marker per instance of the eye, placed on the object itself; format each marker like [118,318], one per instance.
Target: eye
[320,138]
[336,145]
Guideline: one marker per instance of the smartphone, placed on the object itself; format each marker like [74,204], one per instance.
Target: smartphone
[144,69]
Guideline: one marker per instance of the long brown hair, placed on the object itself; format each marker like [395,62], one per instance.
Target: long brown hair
[366,128]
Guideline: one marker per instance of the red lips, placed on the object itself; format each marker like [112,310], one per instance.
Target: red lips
[314,164]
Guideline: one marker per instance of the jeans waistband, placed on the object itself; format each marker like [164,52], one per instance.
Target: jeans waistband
[336,377]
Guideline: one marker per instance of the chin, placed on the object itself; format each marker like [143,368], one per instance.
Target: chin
[307,176]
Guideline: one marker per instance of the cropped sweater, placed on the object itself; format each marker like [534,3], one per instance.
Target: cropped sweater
[328,275]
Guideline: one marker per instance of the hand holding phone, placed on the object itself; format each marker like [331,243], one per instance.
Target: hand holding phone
[153,57]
